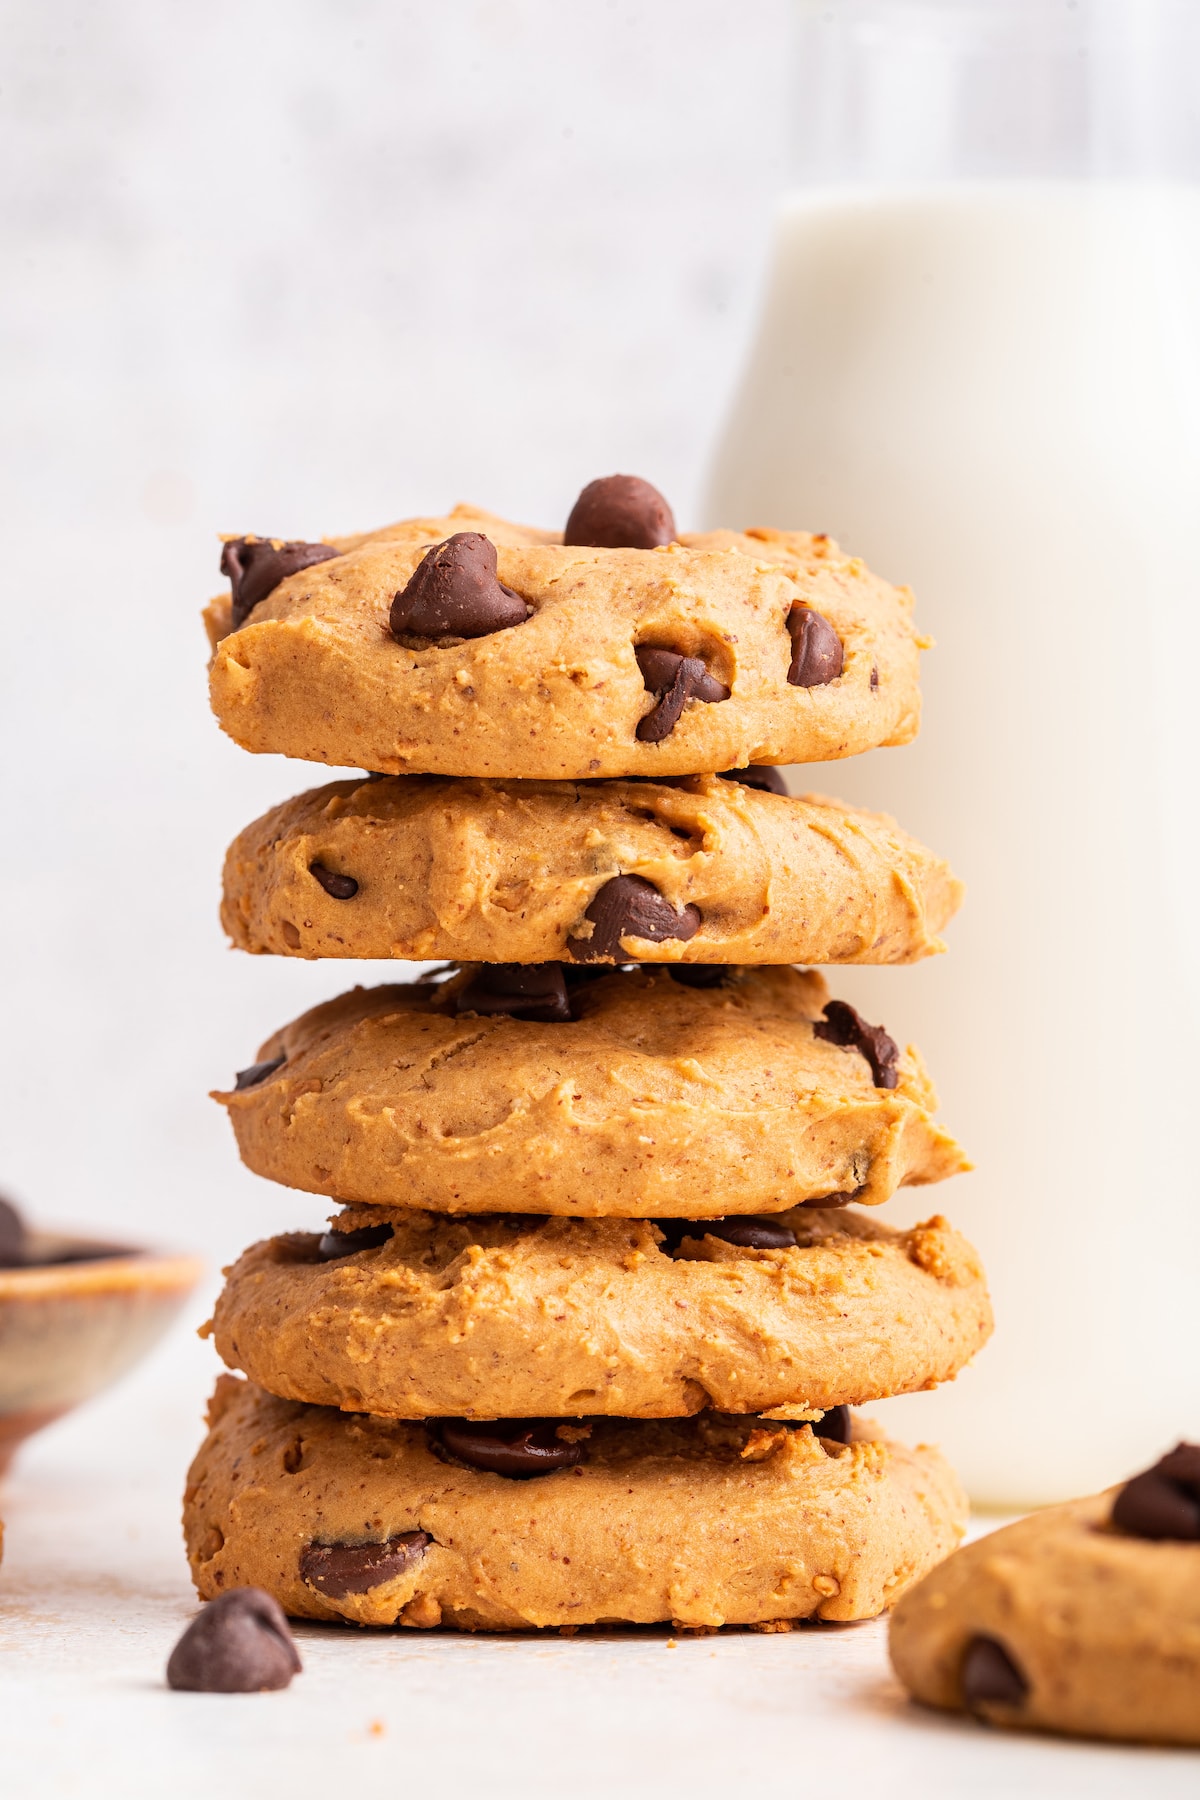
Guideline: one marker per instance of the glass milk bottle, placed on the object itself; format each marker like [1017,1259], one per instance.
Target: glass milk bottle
[978,366]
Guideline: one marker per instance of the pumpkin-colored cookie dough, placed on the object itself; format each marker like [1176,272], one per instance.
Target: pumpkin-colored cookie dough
[709,1521]
[501,1317]
[314,669]
[649,1099]
[424,867]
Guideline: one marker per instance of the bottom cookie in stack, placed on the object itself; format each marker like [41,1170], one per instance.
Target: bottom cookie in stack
[693,1458]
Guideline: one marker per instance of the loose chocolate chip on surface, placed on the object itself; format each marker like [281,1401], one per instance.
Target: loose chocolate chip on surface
[1163,1502]
[338,1569]
[816,649]
[631,906]
[248,1078]
[239,1644]
[989,1675]
[693,975]
[620,512]
[13,1252]
[454,592]
[845,1026]
[534,991]
[834,1425]
[675,679]
[518,1447]
[759,775]
[256,566]
[338,887]
[336,1244]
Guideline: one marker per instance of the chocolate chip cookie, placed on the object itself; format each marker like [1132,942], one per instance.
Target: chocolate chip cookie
[409,1314]
[466,645]
[627,1093]
[1084,1618]
[710,1521]
[424,867]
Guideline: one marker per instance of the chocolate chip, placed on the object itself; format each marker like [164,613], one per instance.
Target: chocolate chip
[13,1251]
[768,780]
[248,1078]
[256,566]
[845,1026]
[630,906]
[816,649]
[518,1447]
[749,1233]
[989,1676]
[339,1569]
[1163,1502]
[454,592]
[829,1202]
[874,677]
[239,1644]
[338,887]
[620,512]
[534,991]
[336,1244]
[834,1425]
[694,975]
[675,679]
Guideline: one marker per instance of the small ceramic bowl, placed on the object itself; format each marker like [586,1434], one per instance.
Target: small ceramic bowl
[76,1316]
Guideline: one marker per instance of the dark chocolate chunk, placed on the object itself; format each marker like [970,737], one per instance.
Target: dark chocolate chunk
[248,1078]
[759,775]
[534,991]
[239,1644]
[829,1202]
[631,906]
[675,679]
[990,1676]
[338,887]
[454,592]
[1163,1502]
[517,1447]
[748,1233]
[874,677]
[620,512]
[693,975]
[816,649]
[337,1569]
[12,1236]
[834,1425]
[336,1244]
[845,1026]
[256,566]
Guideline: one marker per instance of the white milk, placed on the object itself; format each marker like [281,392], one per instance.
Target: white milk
[992,393]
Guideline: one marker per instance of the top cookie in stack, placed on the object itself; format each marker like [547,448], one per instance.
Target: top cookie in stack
[579,1167]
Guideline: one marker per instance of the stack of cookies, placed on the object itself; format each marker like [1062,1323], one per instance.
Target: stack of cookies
[580,1345]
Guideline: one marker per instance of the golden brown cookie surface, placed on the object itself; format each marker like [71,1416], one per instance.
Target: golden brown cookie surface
[315,672]
[1061,1623]
[707,1521]
[503,1317]
[654,1099]
[422,867]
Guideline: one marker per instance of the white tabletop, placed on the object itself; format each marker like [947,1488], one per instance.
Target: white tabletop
[94,1591]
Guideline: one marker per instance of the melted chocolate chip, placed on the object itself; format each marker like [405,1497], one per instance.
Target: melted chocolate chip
[816,649]
[339,1569]
[517,1447]
[1163,1502]
[256,566]
[845,1026]
[248,1078]
[630,906]
[534,991]
[675,679]
[760,775]
[338,887]
[989,1676]
[829,1202]
[746,1232]
[694,975]
[620,512]
[13,1252]
[834,1425]
[454,592]
[336,1244]
[239,1644]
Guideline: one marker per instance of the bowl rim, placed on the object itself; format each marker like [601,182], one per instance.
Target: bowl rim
[114,1268]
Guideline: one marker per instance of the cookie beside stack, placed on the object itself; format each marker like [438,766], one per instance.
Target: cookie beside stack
[581,1345]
